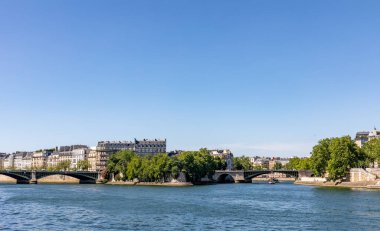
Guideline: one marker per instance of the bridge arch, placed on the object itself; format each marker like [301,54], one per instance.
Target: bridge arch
[256,174]
[82,177]
[225,178]
[20,177]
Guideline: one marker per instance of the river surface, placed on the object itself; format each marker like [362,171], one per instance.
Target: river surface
[282,206]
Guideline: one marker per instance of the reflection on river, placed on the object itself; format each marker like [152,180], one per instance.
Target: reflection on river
[221,207]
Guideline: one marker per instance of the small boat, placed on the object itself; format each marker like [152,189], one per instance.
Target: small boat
[273,181]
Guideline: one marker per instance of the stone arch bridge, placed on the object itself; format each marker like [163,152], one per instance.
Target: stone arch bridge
[246,176]
[32,177]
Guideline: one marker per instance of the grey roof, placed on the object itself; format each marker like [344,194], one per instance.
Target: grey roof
[361,134]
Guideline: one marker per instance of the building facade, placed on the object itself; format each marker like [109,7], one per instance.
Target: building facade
[364,136]
[22,160]
[73,154]
[261,162]
[40,159]
[77,155]
[9,161]
[149,147]
[2,159]
[92,154]
[105,149]
[52,160]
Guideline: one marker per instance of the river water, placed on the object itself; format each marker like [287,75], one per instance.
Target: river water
[282,206]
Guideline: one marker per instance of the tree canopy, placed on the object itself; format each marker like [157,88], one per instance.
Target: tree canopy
[336,156]
[242,163]
[83,165]
[161,167]
[372,150]
[297,163]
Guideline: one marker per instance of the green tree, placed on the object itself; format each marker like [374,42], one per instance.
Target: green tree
[277,166]
[117,162]
[242,163]
[304,164]
[372,150]
[320,157]
[220,163]
[297,163]
[161,167]
[343,156]
[293,163]
[83,165]
[197,164]
[134,168]
[63,165]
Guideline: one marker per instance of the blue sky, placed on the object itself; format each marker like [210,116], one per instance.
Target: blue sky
[258,77]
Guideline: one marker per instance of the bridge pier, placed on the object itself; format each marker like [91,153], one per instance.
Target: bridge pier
[33,179]
[100,178]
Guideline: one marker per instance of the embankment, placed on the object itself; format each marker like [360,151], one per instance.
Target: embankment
[170,184]
[366,184]
[7,180]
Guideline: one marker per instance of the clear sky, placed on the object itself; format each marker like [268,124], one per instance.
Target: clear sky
[258,77]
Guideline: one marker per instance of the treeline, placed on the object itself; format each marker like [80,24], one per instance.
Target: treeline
[333,157]
[126,165]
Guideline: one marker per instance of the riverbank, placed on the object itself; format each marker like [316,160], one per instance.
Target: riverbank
[364,184]
[170,184]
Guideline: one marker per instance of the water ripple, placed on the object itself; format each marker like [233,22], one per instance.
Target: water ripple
[217,207]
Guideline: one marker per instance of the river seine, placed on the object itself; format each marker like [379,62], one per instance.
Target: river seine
[282,206]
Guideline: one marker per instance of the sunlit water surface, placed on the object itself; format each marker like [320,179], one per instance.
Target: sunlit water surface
[282,206]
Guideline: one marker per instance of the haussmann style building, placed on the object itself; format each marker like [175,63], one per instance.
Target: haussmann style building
[364,136]
[141,147]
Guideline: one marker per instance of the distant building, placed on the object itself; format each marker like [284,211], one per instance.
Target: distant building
[53,160]
[92,159]
[364,136]
[226,154]
[149,147]
[73,153]
[9,161]
[252,159]
[22,160]
[2,159]
[261,162]
[26,162]
[40,159]
[78,154]
[106,148]
[141,147]
[71,147]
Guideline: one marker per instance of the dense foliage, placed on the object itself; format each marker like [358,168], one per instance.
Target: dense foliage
[372,150]
[297,163]
[277,166]
[242,163]
[158,168]
[83,165]
[336,156]
[63,165]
